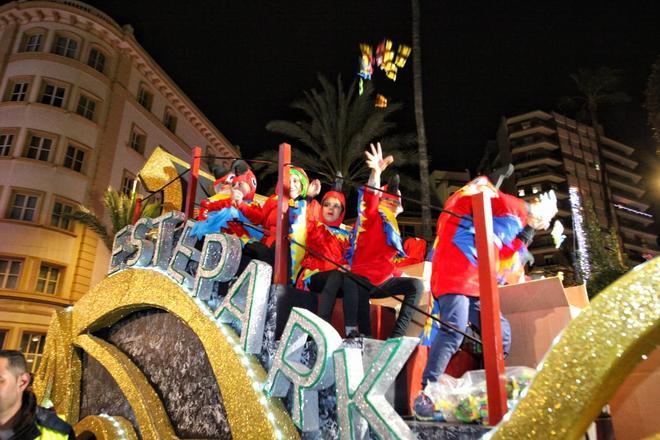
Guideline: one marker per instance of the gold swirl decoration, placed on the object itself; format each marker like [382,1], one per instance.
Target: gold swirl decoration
[133,290]
[162,168]
[105,428]
[592,358]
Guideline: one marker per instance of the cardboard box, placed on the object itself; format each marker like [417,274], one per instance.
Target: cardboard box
[538,311]
[635,405]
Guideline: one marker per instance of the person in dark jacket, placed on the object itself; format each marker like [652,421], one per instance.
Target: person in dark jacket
[20,416]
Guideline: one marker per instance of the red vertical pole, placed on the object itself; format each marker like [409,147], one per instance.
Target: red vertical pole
[491,329]
[281,243]
[137,210]
[192,181]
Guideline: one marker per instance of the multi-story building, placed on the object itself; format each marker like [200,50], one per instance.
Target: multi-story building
[551,151]
[82,105]
[446,183]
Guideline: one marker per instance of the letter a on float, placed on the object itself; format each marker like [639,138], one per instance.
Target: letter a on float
[362,396]
[307,380]
[247,301]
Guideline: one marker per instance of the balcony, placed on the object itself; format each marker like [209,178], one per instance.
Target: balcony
[539,174]
[532,143]
[636,232]
[527,160]
[613,168]
[629,201]
[637,217]
[617,145]
[617,158]
[641,248]
[530,126]
[627,187]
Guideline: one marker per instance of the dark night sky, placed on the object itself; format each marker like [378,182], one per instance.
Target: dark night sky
[243,62]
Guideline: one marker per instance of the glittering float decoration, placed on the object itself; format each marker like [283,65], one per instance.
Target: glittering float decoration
[361,396]
[105,427]
[592,357]
[250,413]
[147,407]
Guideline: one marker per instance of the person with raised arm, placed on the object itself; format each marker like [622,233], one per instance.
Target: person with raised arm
[376,245]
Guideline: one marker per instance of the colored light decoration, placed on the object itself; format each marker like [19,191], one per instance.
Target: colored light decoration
[578,227]
[389,61]
[381,101]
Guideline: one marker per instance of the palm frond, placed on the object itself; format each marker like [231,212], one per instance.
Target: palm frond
[88,218]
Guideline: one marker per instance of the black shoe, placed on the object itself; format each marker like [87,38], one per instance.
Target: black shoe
[353,340]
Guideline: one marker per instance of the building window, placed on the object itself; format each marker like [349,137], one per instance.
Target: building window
[10,271]
[96,60]
[86,107]
[145,98]
[521,192]
[39,148]
[75,158]
[169,120]
[138,140]
[6,141]
[536,189]
[48,278]
[52,95]
[65,46]
[127,182]
[32,346]
[32,42]
[59,218]
[23,207]
[17,91]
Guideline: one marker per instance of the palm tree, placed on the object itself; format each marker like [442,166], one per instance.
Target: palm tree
[120,208]
[425,190]
[597,88]
[339,124]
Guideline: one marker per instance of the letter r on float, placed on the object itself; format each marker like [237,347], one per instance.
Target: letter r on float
[307,380]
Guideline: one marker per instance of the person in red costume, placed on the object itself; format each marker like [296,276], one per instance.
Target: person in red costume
[376,245]
[235,188]
[326,238]
[455,275]
[300,188]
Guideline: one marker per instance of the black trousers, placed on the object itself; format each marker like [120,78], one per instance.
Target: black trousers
[334,284]
[410,288]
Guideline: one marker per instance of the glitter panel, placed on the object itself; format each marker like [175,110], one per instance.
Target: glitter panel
[147,407]
[361,396]
[250,413]
[591,359]
[288,367]
[247,301]
[104,427]
[172,359]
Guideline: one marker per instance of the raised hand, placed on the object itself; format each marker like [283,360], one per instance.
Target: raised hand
[375,160]
[314,188]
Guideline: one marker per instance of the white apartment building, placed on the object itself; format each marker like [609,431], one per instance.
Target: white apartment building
[82,105]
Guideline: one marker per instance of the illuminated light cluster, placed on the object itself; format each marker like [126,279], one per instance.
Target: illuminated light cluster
[578,226]
[634,211]
[121,434]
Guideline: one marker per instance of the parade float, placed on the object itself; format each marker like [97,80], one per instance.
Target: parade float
[145,354]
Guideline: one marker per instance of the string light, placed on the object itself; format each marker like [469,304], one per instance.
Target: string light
[578,227]
[634,211]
